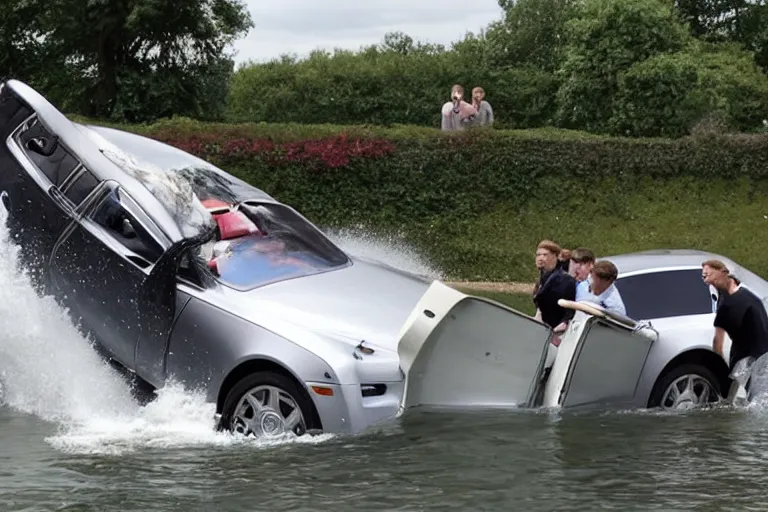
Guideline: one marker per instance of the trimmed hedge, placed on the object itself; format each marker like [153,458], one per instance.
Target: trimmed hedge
[477,202]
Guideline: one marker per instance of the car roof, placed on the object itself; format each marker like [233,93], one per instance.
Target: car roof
[79,139]
[669,259]
[637,262]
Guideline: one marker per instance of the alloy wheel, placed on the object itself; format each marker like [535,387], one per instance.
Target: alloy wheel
[268,412]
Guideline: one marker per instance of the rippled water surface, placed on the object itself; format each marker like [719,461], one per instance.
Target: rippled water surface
[708,460]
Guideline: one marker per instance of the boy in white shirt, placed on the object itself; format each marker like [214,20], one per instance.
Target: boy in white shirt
[599,288]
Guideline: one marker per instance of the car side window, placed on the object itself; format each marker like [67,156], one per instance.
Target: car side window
[122,225]
[47,153]
[665,294]
[81,184]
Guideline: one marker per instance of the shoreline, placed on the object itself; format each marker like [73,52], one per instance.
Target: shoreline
[491,286]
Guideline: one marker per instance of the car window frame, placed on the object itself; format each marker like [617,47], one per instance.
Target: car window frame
[56,192]
[659,270]
[133,208]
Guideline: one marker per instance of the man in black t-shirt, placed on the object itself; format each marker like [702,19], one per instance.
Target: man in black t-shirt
[740,314]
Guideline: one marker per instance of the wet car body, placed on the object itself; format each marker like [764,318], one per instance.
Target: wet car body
[307,341]
[664,289]
[659,355]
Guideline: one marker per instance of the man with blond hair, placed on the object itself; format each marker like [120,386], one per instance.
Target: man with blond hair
[553,284]
[484,111]
[600,289]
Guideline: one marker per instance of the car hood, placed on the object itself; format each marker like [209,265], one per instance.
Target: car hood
[367,301]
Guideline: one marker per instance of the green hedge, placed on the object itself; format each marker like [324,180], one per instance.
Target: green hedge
[476,203]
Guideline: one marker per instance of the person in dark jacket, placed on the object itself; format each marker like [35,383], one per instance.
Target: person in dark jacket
[553,284]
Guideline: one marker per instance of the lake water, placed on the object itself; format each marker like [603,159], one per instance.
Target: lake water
[73,438]
[706,460]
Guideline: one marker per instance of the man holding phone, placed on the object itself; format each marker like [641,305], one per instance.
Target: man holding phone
[457,114]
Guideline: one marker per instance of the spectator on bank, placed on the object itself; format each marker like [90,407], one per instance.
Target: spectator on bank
[457,114]
[484,115]
[564,259]
[553,284]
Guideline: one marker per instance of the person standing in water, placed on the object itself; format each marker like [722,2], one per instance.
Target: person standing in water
[742,315]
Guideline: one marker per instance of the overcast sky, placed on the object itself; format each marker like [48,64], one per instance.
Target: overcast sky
[299,26]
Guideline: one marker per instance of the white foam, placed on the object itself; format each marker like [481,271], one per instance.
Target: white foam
[392,250]
[177,418]
[48,369]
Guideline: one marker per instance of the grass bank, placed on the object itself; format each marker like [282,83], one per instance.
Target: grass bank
[475,204]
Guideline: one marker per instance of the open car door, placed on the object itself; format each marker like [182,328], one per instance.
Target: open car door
[460,351]
[599,361]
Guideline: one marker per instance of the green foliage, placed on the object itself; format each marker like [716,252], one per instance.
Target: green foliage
[398,82]
[605,66]
[532,33]
[672,92]
[736,21]
[132,61]
[477,203]
[606,39]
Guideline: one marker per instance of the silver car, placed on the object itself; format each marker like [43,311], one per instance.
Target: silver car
[179,271]
[666,288]
[465,352]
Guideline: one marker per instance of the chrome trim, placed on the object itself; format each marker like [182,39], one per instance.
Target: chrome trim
[103,235]
[656,270]
[72,178]
[145,220]
[21,156]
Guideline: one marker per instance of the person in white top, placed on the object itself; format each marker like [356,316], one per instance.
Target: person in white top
[599,288]
[457,114]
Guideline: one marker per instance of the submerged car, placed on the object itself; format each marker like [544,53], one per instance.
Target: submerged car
[181,272]
[659,355]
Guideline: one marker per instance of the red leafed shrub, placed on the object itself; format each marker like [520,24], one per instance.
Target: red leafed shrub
[328,152]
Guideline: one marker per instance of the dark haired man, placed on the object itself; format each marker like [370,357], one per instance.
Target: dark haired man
[741,314]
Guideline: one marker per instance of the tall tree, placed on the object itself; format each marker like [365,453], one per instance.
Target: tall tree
[163,45]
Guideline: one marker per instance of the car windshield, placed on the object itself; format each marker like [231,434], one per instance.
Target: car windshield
[258,244]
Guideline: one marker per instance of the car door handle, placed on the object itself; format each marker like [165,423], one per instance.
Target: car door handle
[61,200]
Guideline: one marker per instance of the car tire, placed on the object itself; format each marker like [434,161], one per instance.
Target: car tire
[235,410]
[660,396]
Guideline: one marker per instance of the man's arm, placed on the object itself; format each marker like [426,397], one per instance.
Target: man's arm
[717,341]
[569,293]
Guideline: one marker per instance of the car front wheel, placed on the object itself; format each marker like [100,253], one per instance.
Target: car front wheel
[687,386]
[267,405]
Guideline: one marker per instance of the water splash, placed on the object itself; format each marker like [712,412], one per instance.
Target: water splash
[50,370]
[392,250]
